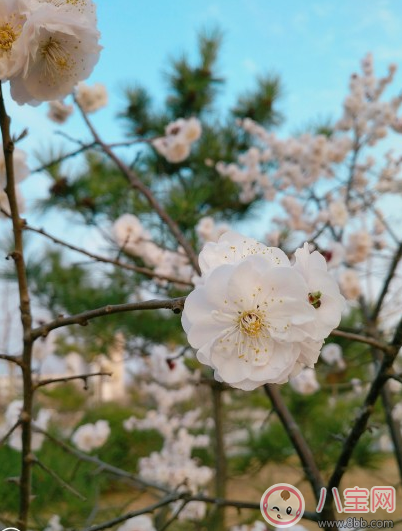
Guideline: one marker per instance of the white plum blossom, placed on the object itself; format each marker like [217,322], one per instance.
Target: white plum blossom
[175,146]
[59,111]
[137,523]
[90,436]
[208,231]
[254,318]
[331,353]
[232,247]
[12,20]
[350,284]
[57,48]
[173,466]
[128,232]
[93,98]
[338,213]
[305,382]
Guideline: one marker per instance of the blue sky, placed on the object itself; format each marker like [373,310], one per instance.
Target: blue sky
[313,45]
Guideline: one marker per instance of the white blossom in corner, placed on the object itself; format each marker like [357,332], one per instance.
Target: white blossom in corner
[57,48]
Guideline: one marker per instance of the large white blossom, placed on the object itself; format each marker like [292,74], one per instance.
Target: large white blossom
[57,48]
[256,319]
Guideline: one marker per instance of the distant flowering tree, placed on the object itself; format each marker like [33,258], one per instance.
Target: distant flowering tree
[255,313]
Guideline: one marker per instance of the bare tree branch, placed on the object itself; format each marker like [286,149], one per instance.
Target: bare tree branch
[360,424]
[363,339]
[13,359]
[137,184]
[83,377]
[10,431]
[59,480]
[292,429]
[130,267]
[26,318]
[388,280]
[176,305]
[139,482]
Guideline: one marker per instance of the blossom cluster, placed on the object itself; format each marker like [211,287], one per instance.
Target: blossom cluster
[254,317]
[174,465]
[90,99]
[134,239]
[326,186]
[47,47]
[175,146]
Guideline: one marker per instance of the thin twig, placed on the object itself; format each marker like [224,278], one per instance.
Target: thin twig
[388,280]
[176,305]
[60,480]
[137,184]
[292,429]
[64,157]
[362,339]
[360,423]
[139,482]
[10,431]
[130,267]
[13,359]
[83,377]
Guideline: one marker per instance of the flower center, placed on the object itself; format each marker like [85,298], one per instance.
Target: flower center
[7,37]
[251,323]
[55,57]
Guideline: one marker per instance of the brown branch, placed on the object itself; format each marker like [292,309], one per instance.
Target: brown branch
[64,157]
[176,305]
[220,454]
[149,509]
[360,423]
[130,267]
[83,377]
[137,184]
[362,339]
[13,359]
[187,498]
[10,431]
[26,318]
[299,443]
[392,269]
[101,464]
[59,480]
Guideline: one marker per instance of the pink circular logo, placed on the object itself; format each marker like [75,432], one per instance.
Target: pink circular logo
[282,505]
